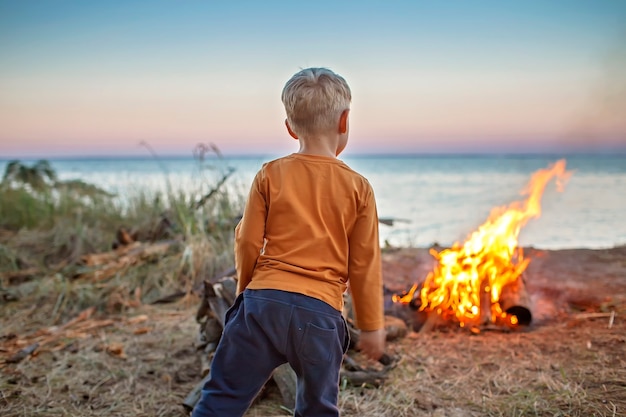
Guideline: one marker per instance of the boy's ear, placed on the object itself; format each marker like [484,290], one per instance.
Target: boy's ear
[291,132]
[343,121]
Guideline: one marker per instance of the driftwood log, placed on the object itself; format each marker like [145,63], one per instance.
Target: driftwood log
[219,294]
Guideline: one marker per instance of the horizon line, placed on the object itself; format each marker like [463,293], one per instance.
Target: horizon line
[225,156]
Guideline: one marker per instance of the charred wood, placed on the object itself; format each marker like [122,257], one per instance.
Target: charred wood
[515,300]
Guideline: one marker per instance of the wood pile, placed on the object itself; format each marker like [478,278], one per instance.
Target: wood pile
[102,266]
[54,338]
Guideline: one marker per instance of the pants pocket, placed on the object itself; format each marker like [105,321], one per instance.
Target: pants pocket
[317,344]
[231,310]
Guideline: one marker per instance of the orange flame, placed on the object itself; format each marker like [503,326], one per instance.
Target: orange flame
[466,284]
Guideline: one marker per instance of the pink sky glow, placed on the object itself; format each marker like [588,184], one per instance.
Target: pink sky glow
[98,78]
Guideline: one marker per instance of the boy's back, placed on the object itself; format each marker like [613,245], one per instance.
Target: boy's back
[314,220]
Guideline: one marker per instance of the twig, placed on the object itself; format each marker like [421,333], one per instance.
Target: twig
[593,315]
[23,354]
[389,221]
[98,385]
[160,163]
[612,319]
[215,189]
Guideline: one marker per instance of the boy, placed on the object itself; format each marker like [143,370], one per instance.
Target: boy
[309,228]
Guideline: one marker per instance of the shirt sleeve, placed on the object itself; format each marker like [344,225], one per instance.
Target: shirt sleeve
[365,268]
[250,233]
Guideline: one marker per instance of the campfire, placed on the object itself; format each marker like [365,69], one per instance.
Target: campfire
[480,282]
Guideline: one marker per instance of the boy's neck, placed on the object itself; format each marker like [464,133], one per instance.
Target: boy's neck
[320,146]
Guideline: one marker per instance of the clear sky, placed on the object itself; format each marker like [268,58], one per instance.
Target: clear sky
[98,77]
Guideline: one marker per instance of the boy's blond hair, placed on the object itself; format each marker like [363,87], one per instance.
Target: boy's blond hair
[314,99]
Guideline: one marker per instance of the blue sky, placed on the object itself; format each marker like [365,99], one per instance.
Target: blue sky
[97,78]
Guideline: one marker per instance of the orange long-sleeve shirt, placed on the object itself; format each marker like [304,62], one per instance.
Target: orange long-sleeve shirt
[310,226]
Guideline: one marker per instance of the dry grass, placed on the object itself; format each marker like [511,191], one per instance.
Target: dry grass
[144,374]
[552,370]
[569,364]
[571,368]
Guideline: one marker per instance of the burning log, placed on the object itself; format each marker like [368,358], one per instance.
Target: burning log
[514,300]
[431,321]
[514,303]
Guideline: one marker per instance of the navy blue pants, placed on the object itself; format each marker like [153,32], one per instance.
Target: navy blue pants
[264,329]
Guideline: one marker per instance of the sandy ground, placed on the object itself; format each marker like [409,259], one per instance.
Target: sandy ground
[570,361]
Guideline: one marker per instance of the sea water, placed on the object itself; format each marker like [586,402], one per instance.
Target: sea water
[432,199]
